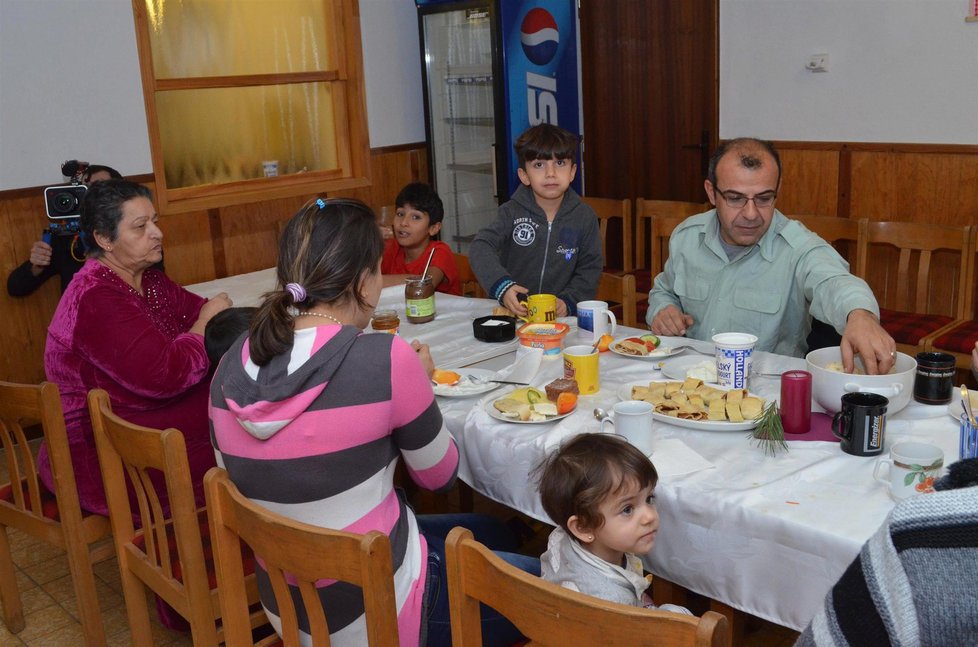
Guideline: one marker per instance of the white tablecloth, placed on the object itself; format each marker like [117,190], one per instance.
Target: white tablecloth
[767,535]
[450,332]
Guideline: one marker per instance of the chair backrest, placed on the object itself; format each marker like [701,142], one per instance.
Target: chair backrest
[620,289]
[25,405]
[912,290]
[467,278]
[666,211]
[549,614]
[846,235]
[129,450]
[22,505]
[608,209]
[295,555]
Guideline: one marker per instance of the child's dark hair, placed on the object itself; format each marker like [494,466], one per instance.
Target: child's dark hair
[546,142]
[578,477]
[223,329]
[423,198]
[327,249]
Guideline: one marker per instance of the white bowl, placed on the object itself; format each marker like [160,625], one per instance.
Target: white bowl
[828,386]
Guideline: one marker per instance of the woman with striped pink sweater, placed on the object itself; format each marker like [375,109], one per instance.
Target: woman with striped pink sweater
[311,417]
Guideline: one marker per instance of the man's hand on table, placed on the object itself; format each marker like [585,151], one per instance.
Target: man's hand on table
[864,335]
[671,321]
[425,356]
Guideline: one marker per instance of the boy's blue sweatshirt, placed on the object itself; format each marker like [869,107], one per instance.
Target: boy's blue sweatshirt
[563,257]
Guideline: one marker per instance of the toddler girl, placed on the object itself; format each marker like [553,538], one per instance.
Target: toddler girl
[599,489]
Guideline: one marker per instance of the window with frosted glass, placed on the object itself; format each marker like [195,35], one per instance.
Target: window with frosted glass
[201,38]
[225,134]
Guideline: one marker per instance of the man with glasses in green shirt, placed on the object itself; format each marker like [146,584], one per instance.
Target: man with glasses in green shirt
[745,267]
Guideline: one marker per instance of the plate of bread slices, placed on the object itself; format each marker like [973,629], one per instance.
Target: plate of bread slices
[695,404]
[536,405]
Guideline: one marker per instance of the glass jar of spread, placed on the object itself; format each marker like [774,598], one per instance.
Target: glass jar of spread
[419,299]
[385,321]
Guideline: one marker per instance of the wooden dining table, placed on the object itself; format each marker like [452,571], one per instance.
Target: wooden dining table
[768,535]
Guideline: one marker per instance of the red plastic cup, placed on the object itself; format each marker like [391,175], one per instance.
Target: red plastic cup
[796,402]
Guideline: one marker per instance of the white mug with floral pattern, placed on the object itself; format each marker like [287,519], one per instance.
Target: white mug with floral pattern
[913,469]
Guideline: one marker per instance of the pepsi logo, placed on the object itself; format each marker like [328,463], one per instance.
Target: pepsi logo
[539,36]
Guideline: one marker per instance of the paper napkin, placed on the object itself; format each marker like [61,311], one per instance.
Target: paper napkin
[524,367]
[673,457]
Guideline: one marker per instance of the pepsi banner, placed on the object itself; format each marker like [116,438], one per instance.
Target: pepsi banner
[540,63]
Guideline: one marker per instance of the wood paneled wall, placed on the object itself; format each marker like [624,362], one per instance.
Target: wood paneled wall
[200,246]
[901,182]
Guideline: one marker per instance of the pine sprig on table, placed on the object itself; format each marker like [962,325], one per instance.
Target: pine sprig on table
[769,433]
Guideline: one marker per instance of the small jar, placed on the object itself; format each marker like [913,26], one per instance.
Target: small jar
[419,299]
[385,321]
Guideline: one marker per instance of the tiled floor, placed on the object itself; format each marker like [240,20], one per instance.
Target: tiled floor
[51,613]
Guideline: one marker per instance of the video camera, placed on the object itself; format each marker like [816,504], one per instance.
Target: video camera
[63,202]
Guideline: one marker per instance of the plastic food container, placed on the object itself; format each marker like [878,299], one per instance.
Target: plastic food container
[548,336]
[494,328]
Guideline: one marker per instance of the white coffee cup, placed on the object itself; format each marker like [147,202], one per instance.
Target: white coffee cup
[633,420]
[270,168]
[596,318]
[913,468]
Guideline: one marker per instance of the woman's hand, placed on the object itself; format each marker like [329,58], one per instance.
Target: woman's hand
[425,356]
[214,305]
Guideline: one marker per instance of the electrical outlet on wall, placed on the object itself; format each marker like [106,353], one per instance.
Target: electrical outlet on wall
[818,63]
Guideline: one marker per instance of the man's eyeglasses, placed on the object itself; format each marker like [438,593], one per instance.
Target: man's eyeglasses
[739,200]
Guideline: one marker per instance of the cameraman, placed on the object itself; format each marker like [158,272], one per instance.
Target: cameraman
[64,255]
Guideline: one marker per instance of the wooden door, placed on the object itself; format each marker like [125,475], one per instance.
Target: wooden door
[649,87]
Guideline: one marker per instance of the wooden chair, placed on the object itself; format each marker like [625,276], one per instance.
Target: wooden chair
[25,504]
[470,284]
[958,338]
[296,555]
[661,217]
[666,211]
[549,614]
[608,209]
[165,555]
[619,290]
[906,309]
[846,235]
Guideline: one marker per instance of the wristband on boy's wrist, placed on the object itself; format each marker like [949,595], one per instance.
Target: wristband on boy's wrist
[501,289]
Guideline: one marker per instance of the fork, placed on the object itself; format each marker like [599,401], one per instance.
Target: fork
[481,380]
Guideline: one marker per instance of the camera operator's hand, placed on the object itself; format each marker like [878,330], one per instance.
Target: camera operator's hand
[40,257]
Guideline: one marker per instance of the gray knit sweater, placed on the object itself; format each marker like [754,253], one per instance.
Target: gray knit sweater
[915,582]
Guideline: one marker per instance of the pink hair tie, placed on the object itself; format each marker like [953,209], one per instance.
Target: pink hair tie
[297,291]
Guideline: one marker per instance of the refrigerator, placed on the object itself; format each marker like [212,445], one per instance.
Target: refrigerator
[491,70]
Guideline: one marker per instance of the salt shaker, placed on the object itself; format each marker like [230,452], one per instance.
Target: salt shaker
[796,402]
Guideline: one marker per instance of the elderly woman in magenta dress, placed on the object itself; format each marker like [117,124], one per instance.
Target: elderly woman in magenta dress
[130,330]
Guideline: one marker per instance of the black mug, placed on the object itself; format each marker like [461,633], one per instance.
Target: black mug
[861,423]
[934,380]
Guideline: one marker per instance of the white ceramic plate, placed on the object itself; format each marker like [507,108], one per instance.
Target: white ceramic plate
[659,353]
[954,406]
[675,369]
[465,388]
[493,413]
[625,393]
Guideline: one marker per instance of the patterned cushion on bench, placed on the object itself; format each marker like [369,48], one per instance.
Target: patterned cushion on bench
[908,327]
[960,339]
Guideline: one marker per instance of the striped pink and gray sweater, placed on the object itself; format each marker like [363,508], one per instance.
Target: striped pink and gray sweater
[316,434]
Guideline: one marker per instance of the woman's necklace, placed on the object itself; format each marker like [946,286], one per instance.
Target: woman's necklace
[320,314]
